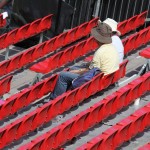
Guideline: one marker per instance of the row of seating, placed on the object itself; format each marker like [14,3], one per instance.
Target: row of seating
[51,109]
[132,23]
[44,48]
[71,128]
[26,31]
[2,21]
[136,40]
[40,25]
[145,147]
[87,46]
[133,42]
[121,132]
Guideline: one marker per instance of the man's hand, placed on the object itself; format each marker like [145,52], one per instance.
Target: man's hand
[80,71]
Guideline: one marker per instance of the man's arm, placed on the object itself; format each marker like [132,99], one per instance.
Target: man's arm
[96,61]
[80,71]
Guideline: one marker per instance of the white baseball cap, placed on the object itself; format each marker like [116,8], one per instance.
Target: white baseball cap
[113,24]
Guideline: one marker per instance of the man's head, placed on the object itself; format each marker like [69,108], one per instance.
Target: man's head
[102,33]
[113,24]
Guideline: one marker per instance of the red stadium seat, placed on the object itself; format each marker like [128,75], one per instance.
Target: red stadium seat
[33,28]
[121,27]
[3,139]
[145,147]
[10,38]
[131,24]
[77,51]
[3,67]
[108,106]
[135,90]
[48,140]
[122,93]
[34,92]
[26,124]
[77,120]
[48,86]
[145,53]
[97,81]
[60,40]
[81,29]
[19,101]
[130,44]
[6,108]
[141,39]
[71,96]
[71,34]
[65,130]
[14,63]
[67,55]
[107,80]
[147,38]
[2,40]
[49,46]
[121,72]
[27,54]
[22,33]
[141,19]
[91,24]
[38,51]
[46,22]
[56,107]
[40,117]
[5,85]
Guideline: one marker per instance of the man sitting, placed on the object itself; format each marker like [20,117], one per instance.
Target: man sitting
[106,58]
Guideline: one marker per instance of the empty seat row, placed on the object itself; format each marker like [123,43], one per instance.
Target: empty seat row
[44,48]
[71,128]
[136,40]
[26,31]
[121,132]
[145,147]
[132,23]
[51,109]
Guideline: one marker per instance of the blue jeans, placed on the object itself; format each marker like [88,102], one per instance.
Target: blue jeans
[63,83]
